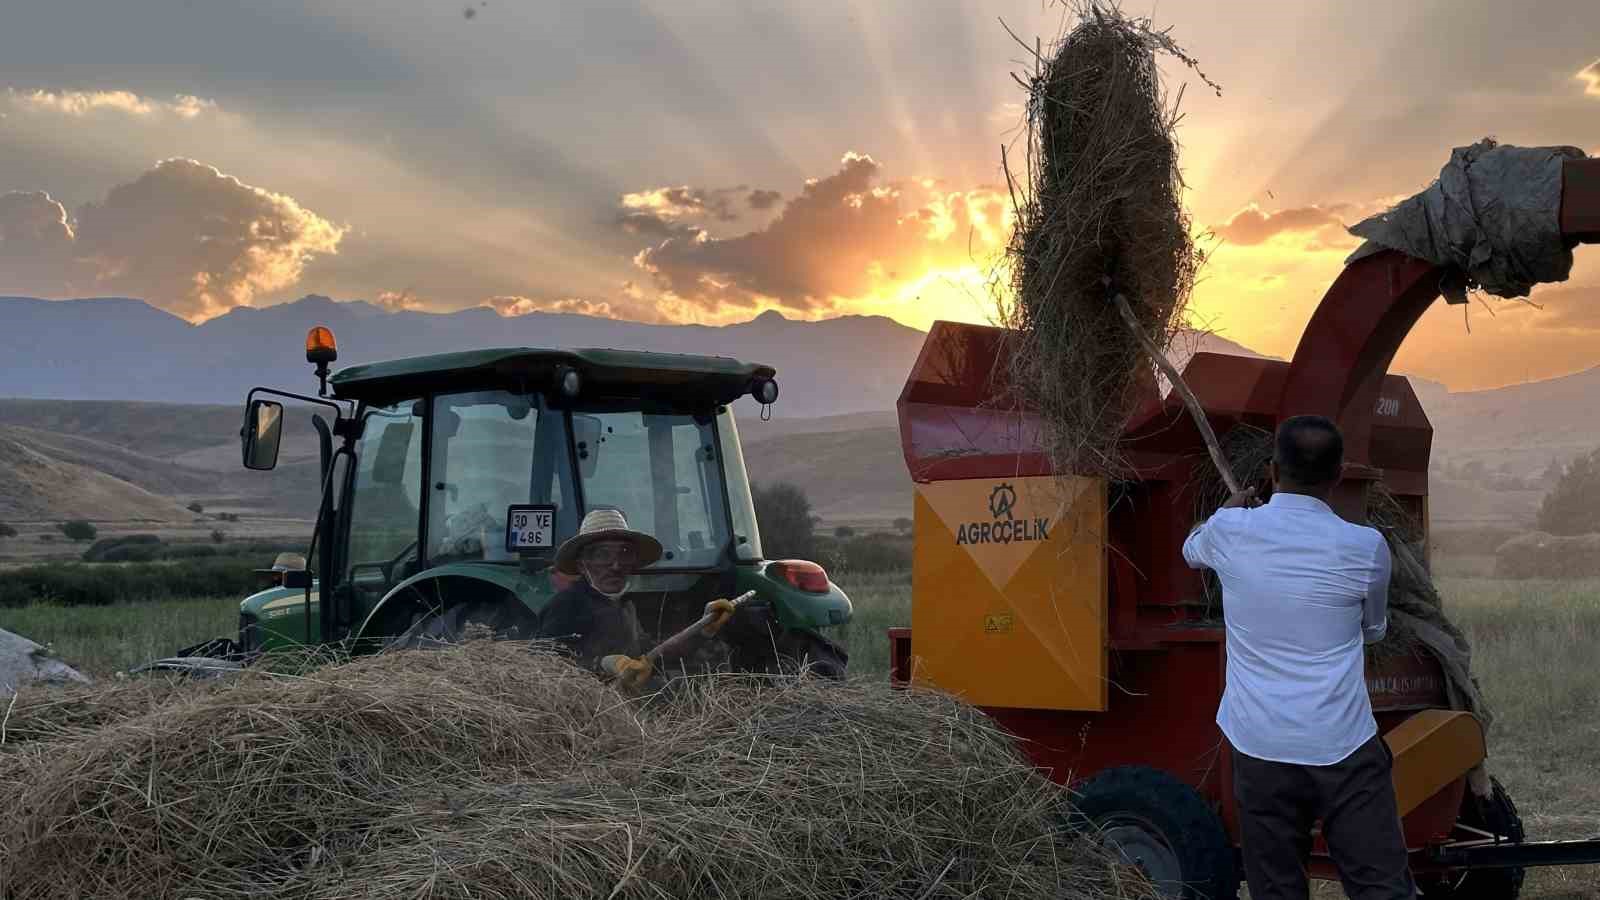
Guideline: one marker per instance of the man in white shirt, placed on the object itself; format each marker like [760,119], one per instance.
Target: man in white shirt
[1302,591]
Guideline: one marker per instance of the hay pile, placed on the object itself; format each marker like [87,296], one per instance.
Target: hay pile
[493,770]
[1098,211]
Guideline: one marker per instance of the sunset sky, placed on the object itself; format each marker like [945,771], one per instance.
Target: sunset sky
[691,161]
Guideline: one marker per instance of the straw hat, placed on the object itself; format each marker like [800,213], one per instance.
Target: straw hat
[606,525]
[285,562]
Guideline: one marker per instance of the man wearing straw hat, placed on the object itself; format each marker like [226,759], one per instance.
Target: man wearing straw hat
[594,617]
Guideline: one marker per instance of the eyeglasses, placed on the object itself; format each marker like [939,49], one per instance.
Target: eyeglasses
[610,556]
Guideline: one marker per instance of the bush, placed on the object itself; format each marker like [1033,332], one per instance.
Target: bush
[1541,555]
[79,584]
[122,549]
[787,529]
[904,525]
[228,517]
[870,554]
[217,536]
[190,551]
[196,508]
[78,530]
[844,532]
[6,531]
[1573,505]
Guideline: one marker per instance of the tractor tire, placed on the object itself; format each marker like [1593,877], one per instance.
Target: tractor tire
[1497,815]
[1164,828]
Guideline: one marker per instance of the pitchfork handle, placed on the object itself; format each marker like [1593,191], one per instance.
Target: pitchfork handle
[1189,400]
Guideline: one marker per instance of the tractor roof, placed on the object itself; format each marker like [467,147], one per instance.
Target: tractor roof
[605,373]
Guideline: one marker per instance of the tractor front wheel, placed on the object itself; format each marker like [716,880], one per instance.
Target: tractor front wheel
[1497,815]
[1162,827]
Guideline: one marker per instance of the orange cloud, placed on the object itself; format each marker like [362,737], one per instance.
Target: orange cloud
[398,301]
[845,239]
[83,103]
[1590,76]
[1252,225]
[513,305]
[182,236]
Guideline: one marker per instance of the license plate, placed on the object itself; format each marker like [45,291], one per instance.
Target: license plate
[530,528]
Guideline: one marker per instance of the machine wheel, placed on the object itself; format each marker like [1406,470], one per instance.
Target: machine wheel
[1164,828]
[1497,815]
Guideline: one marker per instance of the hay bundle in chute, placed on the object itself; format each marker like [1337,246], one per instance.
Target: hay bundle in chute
[1098,213]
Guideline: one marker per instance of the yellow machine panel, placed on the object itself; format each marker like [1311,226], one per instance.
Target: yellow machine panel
[1010,584]
[1431,749]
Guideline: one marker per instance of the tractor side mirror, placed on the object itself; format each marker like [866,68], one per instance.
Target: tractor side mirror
[297,579]
[262,434]
[586,434]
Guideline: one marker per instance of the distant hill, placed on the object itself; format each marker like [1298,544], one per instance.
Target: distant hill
[108,461]
[40,485]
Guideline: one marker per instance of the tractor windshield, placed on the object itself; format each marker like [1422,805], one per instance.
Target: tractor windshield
[492,450]
[664,471]
[447,468]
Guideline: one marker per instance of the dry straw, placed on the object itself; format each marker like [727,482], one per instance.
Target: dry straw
[498,770]
[1098,212]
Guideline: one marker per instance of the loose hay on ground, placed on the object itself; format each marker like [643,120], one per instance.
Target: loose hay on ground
[492,771]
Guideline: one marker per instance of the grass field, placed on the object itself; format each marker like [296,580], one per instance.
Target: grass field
[1534,645]
[101,640]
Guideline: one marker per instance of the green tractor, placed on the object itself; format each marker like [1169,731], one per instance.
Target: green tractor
[448,482]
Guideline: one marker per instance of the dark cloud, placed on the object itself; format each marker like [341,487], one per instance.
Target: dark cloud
[182,236]
[1251,225]
[35,243]
[653,225]
[763,200]
[843,237]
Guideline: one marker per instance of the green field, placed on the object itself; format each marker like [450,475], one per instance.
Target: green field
[1534,645]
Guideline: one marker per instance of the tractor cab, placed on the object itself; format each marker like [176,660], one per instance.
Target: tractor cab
[449,482]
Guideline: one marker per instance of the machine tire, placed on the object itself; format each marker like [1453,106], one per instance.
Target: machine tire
[1495,814]
[1139,809]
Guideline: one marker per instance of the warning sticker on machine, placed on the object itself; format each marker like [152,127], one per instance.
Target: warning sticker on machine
[997,623]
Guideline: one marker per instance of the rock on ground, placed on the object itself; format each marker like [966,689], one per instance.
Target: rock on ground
[22,662]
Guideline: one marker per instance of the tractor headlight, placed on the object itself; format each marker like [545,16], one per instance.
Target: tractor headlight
[569,381]
[765,390]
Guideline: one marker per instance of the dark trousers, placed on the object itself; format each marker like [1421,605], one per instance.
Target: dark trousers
[1279,803]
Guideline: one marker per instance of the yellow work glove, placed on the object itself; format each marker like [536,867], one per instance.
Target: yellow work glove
[628,672]
[720,612]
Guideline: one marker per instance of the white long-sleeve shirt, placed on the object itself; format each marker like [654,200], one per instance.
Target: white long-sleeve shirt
[1302,590]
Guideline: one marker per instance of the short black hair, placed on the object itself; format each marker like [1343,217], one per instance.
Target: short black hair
[1310,450]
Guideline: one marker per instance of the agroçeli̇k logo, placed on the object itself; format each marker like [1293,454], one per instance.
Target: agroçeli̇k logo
[1003,526]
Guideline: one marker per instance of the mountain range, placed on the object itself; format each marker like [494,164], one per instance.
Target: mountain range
[123,349]
[118,424]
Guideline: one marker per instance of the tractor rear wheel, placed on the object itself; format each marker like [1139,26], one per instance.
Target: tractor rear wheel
[1497,815]
[1164,828]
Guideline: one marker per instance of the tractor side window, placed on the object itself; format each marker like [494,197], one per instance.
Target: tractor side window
[386,495]
[665,474]
[482,462]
